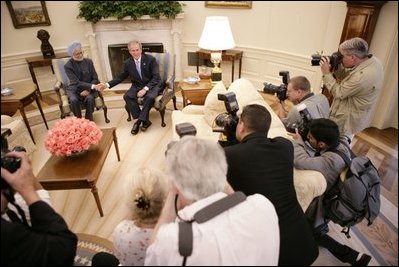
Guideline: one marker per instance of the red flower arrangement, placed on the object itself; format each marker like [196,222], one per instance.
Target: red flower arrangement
[72,135]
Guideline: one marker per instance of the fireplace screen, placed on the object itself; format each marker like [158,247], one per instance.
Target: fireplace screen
[118,53]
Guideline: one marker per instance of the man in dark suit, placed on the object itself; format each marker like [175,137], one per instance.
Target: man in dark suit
[265,165]
[143,71]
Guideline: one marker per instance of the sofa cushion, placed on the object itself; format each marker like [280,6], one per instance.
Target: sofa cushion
[213,106]
[245,93]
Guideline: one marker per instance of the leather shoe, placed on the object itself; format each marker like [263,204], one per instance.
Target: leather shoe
[146,124]
[363,261]
[136,128]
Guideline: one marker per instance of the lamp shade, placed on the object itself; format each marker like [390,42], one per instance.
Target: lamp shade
[216,34]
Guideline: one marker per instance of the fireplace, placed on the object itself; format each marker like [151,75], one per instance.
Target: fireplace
[111,31]
[118,53]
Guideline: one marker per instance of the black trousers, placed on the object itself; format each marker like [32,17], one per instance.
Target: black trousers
[340,251]
[130,98]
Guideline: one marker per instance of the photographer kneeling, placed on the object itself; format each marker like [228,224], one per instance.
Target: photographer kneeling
[298,92]
[48,241]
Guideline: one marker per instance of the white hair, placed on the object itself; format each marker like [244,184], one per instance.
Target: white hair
[198,167]
[355,46]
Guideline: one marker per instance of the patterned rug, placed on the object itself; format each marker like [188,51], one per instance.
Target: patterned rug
[88,245]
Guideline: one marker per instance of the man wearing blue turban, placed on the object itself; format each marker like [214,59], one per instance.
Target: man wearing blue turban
[83,81]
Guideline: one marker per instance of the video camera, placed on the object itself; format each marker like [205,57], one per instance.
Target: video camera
[227,122]
[335,60]
[280,90]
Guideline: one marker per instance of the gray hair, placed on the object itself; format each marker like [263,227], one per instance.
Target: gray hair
[146,191]
[198,167]
[134,42]
[355,46]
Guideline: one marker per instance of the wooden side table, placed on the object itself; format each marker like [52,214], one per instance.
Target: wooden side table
[40,61]
[227,55]
[196,93]
[80,172]
[24,93]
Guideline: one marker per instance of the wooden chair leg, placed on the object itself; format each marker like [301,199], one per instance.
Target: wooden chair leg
[128,113]
[174,102]
[162,112]
[105,113]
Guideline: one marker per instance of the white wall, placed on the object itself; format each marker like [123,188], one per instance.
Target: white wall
[274,36]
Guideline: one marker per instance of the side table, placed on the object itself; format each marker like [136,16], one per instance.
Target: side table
[227,55]
[24,94]
[40,61]
[196,93]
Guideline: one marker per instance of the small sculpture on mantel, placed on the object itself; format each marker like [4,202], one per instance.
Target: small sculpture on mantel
[45,47]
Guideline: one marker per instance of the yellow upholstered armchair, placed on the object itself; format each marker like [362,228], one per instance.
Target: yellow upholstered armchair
[166,64]
[59,87]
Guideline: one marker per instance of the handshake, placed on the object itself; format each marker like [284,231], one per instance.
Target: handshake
[100,87]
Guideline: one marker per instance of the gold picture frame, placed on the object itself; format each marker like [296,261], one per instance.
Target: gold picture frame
[229,4]
[28,13]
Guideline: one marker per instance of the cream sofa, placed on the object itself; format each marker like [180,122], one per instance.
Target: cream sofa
[19,133]
[308,184]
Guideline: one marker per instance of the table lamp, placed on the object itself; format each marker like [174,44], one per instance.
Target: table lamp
[216,36]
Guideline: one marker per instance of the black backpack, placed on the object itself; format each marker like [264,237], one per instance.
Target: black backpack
[357,197]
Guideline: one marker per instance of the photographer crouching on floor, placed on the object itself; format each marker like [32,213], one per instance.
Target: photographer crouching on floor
[48,241]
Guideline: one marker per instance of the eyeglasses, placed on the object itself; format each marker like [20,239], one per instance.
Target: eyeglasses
[78,53]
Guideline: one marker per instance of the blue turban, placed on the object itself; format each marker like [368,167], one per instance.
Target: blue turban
[73,46]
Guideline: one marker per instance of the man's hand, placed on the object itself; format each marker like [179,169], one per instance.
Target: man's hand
[22,180]
[296,135]
[325,65]
[84,93]
[100,87]
[141,93]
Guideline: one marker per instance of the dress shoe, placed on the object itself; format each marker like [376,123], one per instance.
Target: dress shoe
[146,124]
[136,128]
[363,261]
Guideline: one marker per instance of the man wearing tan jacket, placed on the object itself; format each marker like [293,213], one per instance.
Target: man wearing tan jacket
[355,89]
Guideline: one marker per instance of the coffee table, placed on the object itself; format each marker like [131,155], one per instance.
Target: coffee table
[196,93]
[79,172]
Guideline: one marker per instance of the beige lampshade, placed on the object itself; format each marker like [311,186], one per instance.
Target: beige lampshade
[216,34]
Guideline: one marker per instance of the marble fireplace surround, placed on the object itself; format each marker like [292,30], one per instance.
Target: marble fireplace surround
[146,30]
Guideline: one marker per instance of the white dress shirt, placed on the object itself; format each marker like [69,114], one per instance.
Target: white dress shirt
[246,234]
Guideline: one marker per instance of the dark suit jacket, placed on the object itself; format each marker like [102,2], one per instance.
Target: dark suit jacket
[149,72]
[48,242]
[262,165]
[81,75]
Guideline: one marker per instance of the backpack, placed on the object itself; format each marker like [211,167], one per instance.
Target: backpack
[357,197]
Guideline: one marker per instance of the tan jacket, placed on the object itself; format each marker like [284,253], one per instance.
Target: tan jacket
[355,96]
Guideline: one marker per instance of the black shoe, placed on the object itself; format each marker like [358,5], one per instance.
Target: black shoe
[146,124]
[363,261]
[136,127]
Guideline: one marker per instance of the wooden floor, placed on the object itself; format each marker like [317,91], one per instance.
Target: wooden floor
[147,149]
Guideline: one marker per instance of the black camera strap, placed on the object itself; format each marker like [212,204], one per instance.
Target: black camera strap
[201,216]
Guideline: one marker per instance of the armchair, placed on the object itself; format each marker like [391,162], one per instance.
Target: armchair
[166,63]
[59,88]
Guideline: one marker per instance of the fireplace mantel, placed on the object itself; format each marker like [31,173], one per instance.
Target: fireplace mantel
[146,29]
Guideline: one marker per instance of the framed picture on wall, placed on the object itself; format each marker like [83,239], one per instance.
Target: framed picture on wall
[28,13]
[228,4]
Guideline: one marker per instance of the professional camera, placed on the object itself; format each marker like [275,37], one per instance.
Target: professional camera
[10,163]
[280,90]
[303,125]
[335,59]
[185,128]
[227,122]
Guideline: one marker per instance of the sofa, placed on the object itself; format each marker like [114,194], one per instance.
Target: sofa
[308,183]
[19,133]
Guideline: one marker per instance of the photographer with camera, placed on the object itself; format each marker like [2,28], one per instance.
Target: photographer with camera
[263,165]
[298,92]
[220,235]
[356,89]
[48,241]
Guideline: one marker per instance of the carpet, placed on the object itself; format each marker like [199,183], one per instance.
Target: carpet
[88,245]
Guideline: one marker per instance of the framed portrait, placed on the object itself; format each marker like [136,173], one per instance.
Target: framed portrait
[229,4]
[28,13]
